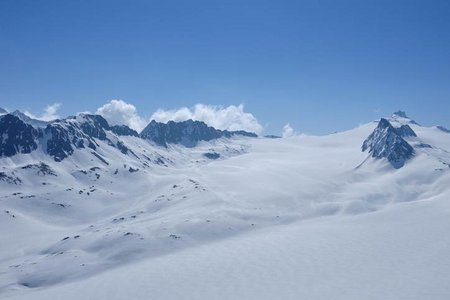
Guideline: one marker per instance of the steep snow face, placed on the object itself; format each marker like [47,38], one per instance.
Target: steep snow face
[386,142]
[187,133]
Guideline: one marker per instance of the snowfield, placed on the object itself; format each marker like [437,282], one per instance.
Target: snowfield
[307,217]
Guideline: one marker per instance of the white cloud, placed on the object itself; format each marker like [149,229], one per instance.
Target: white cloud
[288,131]
[230,118]
[119,112]
[50,113]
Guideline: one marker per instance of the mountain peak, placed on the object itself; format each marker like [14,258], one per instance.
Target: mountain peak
[187,133]
[29,120]
[3,111]
[401,114]
[387,142]
[383,123]
[400,118]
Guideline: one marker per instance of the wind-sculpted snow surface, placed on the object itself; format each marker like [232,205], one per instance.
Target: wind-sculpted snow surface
[231,218]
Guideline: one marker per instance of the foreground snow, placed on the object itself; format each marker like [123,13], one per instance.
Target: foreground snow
[399,253]
[304,217]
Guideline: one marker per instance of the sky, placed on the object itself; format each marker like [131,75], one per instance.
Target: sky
[288,67]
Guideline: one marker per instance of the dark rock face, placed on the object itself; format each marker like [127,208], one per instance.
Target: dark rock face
[401,114]
[59,144]
[11,179]
[405,131]
[442,128]
[187,133]
[271,136]
[124,149]
[75,133]
[239,132]
[93,126]
[211,155]
[41,169]
[385,142]
[16,136]
[123,130]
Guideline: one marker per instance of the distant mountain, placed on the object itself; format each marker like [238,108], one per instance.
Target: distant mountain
[272,136]
[2,111]
[387,142]
[442,128]
[60,138]
[187,133]
[402,118]
[400,114]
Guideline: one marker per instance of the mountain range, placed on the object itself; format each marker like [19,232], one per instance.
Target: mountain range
[185,210]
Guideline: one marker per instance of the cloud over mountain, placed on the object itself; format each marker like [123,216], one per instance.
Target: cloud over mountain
[50,113]
[119,112]
[230,118]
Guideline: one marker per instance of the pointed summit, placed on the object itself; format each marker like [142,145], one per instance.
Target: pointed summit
[386,142]
[401,114]
[400,118]
[28,120]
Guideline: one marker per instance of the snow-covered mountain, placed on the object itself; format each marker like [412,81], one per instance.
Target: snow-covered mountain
[387,142]
[187,133]
[186,211]
[443,129]
[29,120]
[60,138]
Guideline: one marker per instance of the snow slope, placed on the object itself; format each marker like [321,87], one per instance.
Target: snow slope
[303,217]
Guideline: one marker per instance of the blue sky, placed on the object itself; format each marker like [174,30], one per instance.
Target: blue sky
[322,66]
